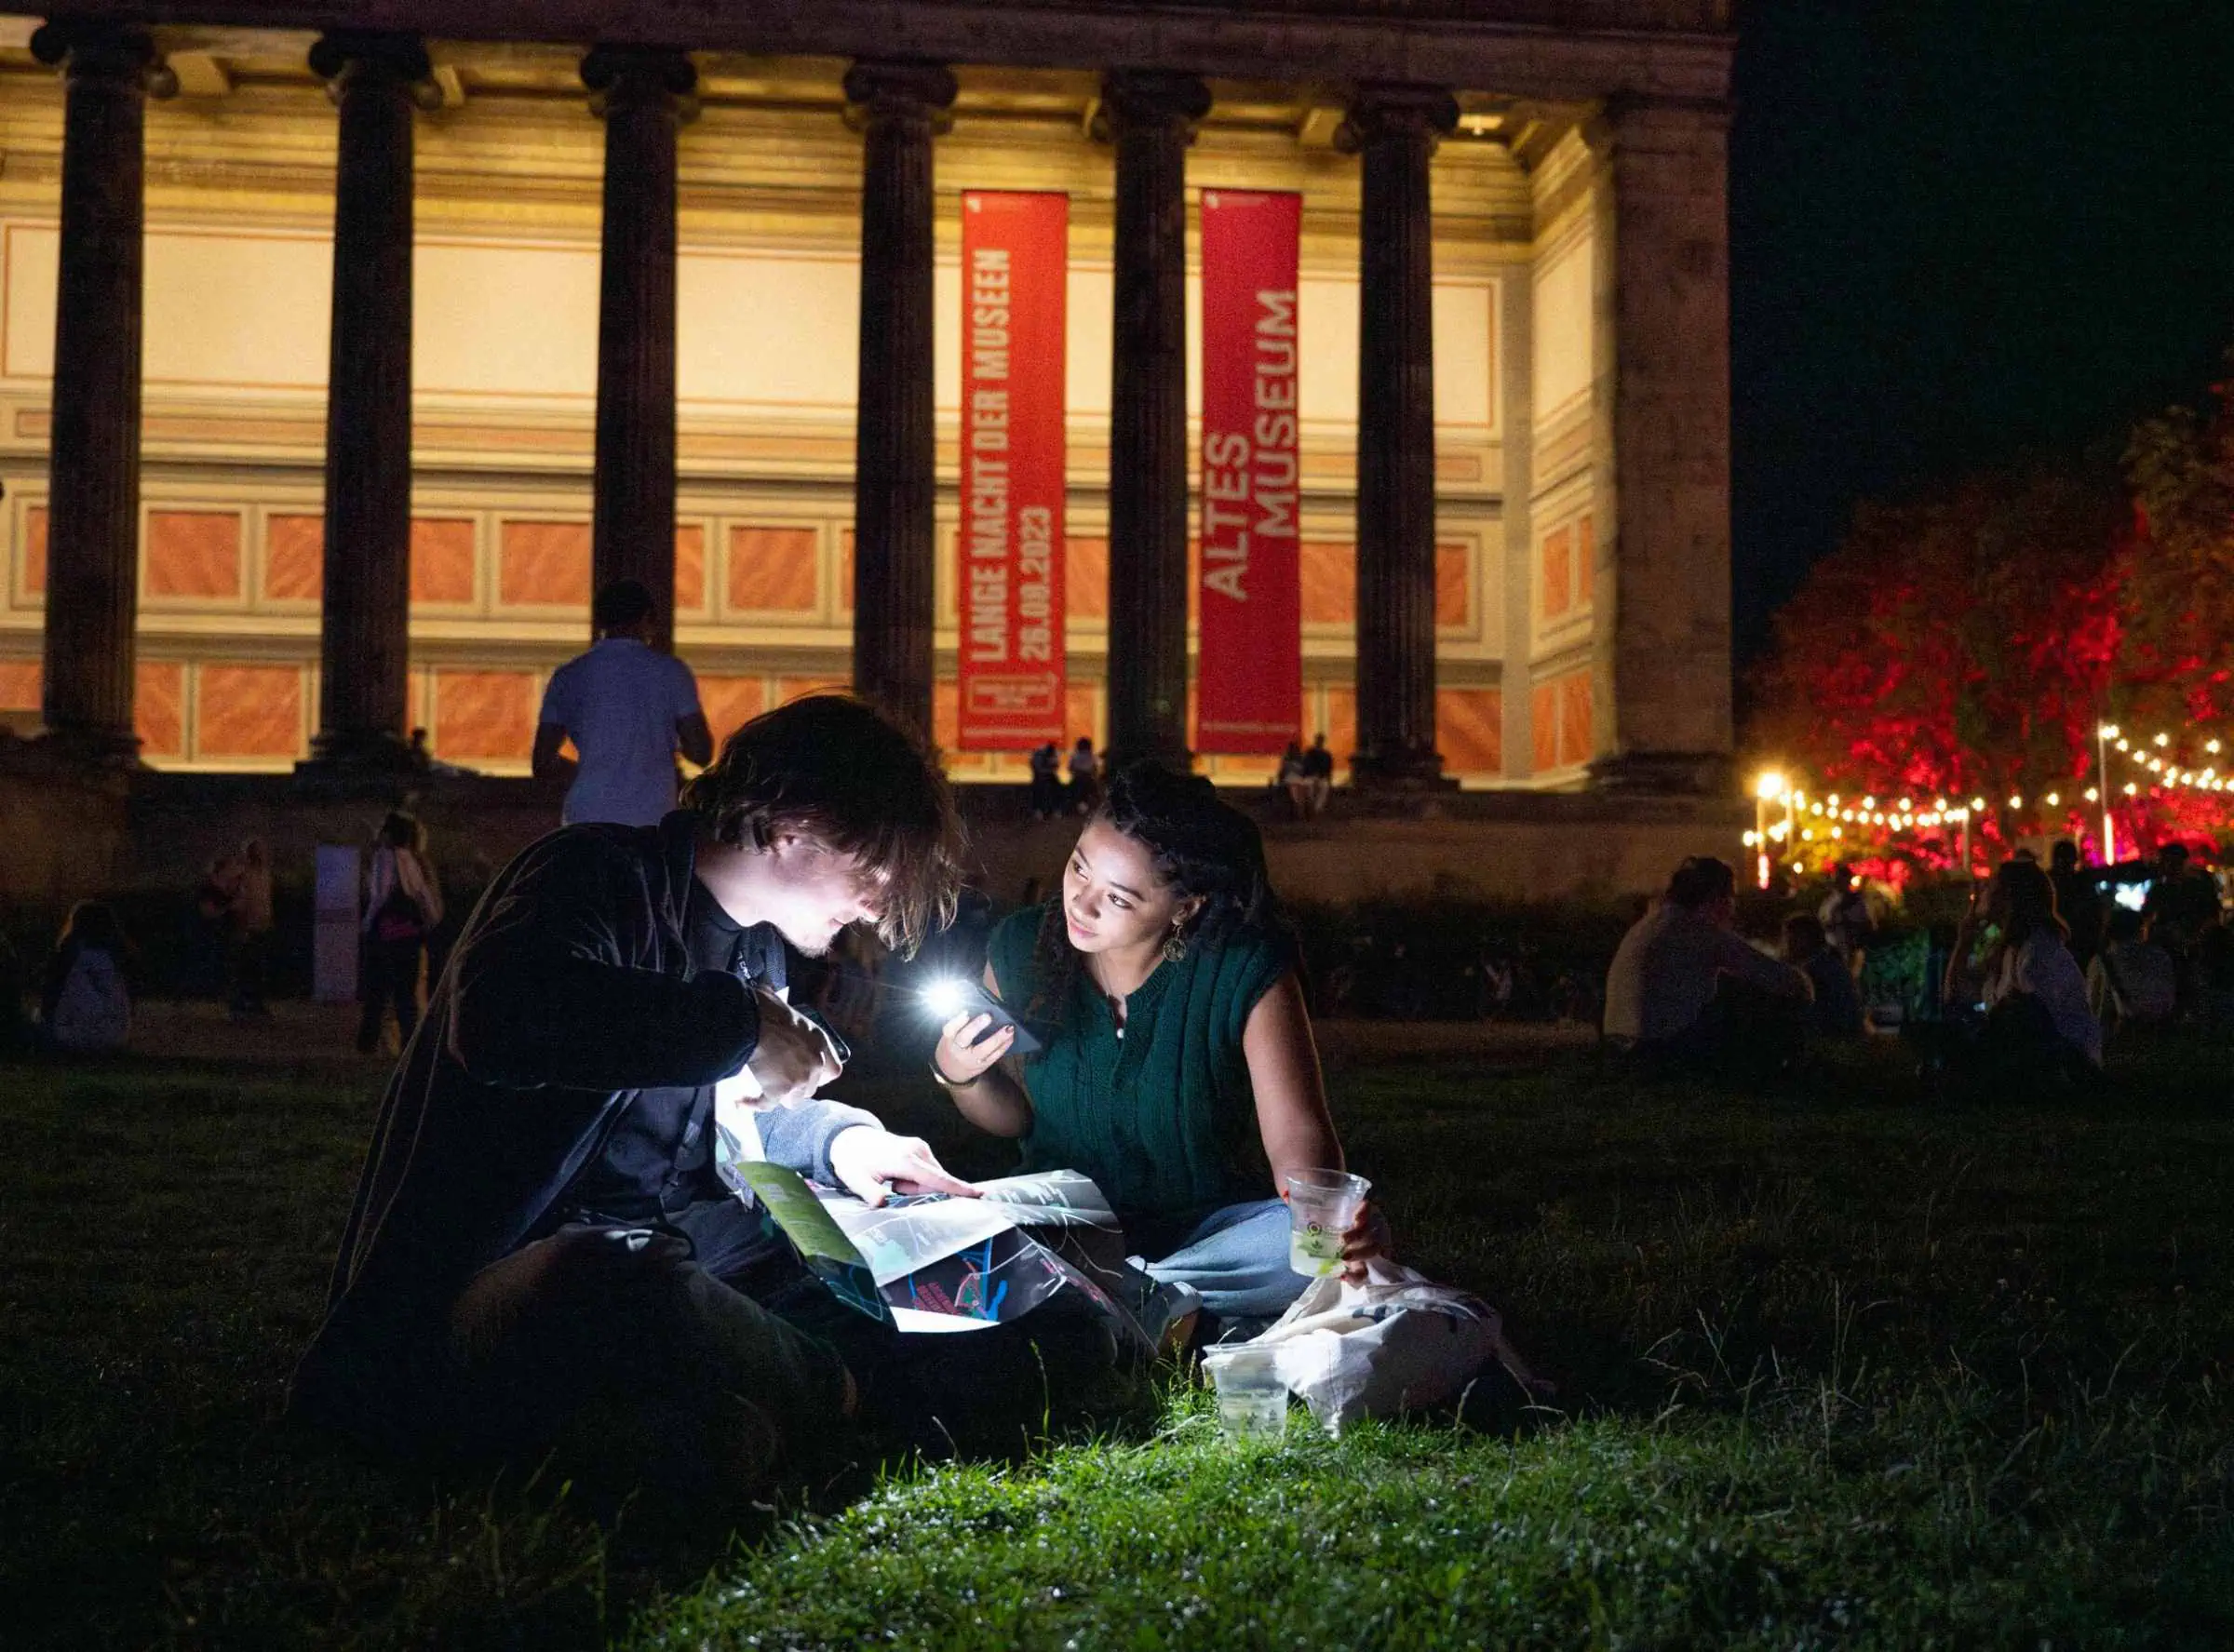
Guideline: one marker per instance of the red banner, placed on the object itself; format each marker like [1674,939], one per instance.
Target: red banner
[1014,261]
[1251,676]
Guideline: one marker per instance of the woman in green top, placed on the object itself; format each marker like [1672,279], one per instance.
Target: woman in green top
[1178,1069]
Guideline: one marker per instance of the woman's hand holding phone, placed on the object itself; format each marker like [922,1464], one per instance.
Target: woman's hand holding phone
[966,1051]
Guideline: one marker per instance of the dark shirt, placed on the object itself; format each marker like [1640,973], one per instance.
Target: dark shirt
[1836,1012]
[657,1159]
[572,994]
[2180,908]
[1318,764]
[2078,904]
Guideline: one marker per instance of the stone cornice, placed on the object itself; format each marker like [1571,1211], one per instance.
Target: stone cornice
[1585,49]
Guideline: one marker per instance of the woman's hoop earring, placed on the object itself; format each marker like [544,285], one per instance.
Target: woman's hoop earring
[1174,945]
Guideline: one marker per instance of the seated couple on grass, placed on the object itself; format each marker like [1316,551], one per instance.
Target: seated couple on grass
[541,1254]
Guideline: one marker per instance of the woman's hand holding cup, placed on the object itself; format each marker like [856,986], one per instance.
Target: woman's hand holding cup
[965,1051]
[1364,1239]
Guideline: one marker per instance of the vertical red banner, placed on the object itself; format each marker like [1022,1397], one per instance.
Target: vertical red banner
[1014,262]
[1251,676]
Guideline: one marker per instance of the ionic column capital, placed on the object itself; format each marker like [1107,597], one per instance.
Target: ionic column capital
[1139,100]
[637,74]
[89,48]
[1383,111]
[342,58]
[899,91]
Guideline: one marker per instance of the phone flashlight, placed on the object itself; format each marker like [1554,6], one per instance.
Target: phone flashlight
[952,996]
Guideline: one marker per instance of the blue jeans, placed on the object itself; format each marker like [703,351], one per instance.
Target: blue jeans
[1235,1259]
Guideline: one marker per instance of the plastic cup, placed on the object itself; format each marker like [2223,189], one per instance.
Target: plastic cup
[1321,1205]
[1252,1400]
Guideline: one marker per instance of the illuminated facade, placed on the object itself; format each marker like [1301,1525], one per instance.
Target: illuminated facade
[1580,625]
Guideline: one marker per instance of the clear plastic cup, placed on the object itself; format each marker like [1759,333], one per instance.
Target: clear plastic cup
[1252,1400]
[1321,1205]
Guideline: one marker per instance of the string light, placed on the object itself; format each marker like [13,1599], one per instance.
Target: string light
[2163,770]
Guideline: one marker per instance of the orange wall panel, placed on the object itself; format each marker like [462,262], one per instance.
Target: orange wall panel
[1556,571]
[1543,726]
[443,559]
[730,703]
[1586,562]
[772,569]
[159,708]
[294,557]
[1470,730]
[946,715]
[1329,572]
[545,565]
[1574,719]
[1453,576]
[34,549]
[18,685]
[193,554]
[846,571]
[690,568]
[484,714]
[789,688]
[1340,727]
[249,711]
[1082,715]
[1086,577]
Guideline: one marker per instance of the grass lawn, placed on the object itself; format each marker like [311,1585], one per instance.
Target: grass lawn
[1841,1367]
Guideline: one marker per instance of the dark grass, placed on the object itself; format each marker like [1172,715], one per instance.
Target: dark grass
[1842,1366]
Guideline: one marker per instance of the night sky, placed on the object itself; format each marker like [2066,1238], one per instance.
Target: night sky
[1963,236]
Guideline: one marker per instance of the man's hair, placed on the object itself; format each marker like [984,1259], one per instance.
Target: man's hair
[2063,856]
[835,770]
[2174,850]
[621,604]
[1700,879]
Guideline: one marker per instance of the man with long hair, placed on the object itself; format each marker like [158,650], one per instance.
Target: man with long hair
[540,1253]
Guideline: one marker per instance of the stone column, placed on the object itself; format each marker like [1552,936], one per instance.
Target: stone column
[376,80]
[1662,643]
[643,93]
[1393,130]
[898,107]
[93,462]
[1149,117]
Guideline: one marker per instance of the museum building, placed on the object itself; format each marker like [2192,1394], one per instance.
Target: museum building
[599,310]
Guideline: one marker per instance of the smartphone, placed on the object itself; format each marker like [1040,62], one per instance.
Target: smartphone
[962,996]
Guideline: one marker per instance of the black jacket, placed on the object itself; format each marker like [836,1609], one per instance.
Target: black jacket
[571,993]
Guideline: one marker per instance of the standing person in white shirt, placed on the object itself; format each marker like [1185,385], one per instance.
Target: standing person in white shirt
[628,708]
[1686,990]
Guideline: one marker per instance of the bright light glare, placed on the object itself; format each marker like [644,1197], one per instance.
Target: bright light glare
[2108,732]
[1770,785]
[945,1000]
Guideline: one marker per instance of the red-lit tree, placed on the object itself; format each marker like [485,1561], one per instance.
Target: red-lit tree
[1960,645]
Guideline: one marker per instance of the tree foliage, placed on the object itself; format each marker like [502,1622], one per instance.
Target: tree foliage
[1956,645]
[1967,643]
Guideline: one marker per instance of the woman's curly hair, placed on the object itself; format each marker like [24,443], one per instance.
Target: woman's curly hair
[1202,848]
